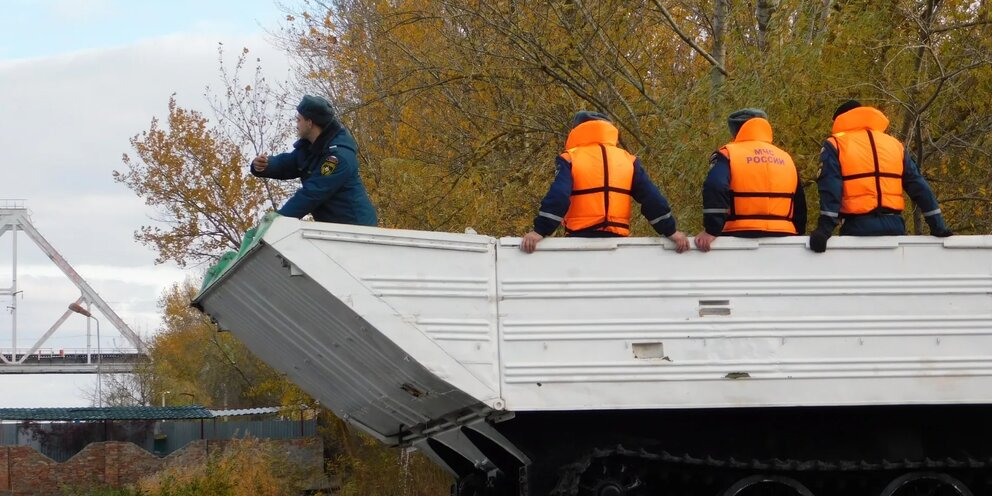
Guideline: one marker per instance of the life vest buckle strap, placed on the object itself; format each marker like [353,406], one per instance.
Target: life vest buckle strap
[875,213]
[588,191]
[734,217]
[601,189]
[600,226]
[759,194]
[878,170]
[863,175]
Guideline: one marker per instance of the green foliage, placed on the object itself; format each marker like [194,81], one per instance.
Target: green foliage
[367,467]
[193,170]
[101,491]
[242,467]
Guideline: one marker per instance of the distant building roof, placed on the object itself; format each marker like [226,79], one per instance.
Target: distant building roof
[245,411]
[106,413]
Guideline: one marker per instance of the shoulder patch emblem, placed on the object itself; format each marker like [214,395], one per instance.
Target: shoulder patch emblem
[329,165]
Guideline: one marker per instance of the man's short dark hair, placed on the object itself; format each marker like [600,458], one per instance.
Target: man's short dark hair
[844,107]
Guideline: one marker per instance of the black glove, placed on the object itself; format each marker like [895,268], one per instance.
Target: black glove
[818,240]
[942,232]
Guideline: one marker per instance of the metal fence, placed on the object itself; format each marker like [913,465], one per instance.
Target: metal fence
[168,436]
[9,435]
[180,433]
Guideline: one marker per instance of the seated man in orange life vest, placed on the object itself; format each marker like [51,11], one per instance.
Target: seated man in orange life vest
[863,175]
[753,188]
[594,184]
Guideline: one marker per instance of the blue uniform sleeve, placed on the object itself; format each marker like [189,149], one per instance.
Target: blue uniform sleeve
[831,187]
[799,213]
[654,205]
[919,191]
[555,204]
[319,187]
[716,194]
[282,166]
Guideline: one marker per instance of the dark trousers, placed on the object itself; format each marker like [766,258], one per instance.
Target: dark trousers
[874,224]
[591,233]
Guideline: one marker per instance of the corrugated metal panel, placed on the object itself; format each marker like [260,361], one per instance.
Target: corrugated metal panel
[271,301]
[9,435]
[179,434]
[453,303]
[895,320]
[245,411]
[107,413]
[78,434]
[272,429]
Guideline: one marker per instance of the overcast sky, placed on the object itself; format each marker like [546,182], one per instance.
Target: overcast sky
[78,78]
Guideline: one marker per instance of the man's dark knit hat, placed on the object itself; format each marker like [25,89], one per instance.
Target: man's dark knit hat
[738,118]
[588,115]
[317,109]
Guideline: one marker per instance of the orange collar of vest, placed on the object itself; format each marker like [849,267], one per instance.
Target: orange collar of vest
[755,129]
[861,118]
[592,133]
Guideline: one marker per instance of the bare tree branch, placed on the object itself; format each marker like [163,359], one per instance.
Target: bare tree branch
[681,34]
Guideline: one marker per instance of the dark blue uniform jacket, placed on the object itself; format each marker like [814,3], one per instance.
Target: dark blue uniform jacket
[554,206]
[716,202]
[880,223]
[328,168]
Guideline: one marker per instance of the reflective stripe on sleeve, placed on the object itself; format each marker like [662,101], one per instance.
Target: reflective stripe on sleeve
[663,217]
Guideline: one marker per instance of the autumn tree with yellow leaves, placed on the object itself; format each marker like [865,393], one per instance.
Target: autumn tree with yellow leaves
[474,98]
[193,170]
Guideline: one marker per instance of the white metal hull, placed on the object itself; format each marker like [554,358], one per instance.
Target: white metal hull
[404,331]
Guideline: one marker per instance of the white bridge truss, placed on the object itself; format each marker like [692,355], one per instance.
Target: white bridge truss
[38,359]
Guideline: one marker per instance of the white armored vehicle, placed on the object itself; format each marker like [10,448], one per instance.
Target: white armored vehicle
[616,367]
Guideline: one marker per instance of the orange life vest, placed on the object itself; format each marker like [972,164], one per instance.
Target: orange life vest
[602,175]
[871,162]
[763,181]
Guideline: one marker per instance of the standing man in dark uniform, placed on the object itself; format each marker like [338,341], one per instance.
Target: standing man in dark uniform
[753,188]
[864,173]
[325,160]
[594,184]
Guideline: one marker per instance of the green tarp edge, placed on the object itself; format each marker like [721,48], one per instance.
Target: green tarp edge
[252,237]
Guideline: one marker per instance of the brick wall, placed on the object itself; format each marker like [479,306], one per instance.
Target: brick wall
[25,472]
